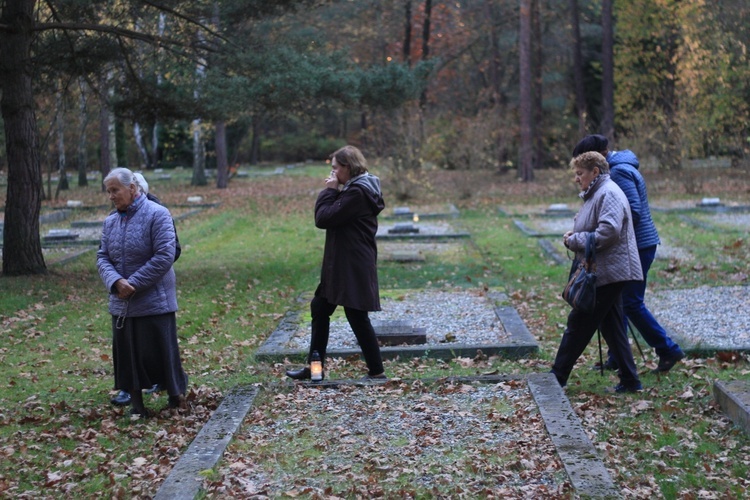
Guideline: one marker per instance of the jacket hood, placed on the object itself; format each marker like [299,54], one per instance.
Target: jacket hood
[368,181]
[620,157]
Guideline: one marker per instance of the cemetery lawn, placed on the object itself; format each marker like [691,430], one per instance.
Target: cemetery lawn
[252,250]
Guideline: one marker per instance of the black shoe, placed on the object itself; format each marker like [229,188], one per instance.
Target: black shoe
[301,374]
[609,365]
[621,388]
[179,402]
[382,376]
[667,362]
[121,399]
[141,412]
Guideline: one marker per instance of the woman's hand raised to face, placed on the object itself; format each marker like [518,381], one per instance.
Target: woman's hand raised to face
[331,181]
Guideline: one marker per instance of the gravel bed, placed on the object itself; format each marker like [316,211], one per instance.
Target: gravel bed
[431,228]
[705,317]
[469,440]
[421,247]
[448,317]
[730,221]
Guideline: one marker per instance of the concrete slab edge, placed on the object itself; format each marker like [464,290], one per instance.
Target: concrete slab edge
[734,399]
[551,251]
[584,467]
[520,344]
[185,481]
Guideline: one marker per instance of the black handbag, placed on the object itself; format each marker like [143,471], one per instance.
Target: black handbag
[580,292]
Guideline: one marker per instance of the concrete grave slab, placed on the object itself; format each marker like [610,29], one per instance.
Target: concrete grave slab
[581,462]
[448,211]
[186,481]
[704,319]
[734,399]
[422,231]
[585,469]
[398,332]
[498,329]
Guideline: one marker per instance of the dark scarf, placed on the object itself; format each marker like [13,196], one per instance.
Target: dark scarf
[583,194]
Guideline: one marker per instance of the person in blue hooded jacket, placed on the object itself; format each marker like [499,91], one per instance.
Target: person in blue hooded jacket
[347,208]
[624,172]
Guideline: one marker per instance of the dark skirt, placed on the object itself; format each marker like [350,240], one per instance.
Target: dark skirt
[145,352]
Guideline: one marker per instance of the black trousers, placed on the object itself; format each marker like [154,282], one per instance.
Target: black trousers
[322,310]
[608,315]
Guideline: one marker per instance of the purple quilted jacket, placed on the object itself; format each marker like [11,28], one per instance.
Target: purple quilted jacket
[139,247]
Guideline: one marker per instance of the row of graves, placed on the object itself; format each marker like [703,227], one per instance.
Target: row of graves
[700,319]
[434,417]
[429,419]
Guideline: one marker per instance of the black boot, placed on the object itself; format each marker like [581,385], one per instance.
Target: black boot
[137,407]
[301,374]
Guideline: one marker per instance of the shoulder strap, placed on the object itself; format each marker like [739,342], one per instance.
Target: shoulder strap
[591,248]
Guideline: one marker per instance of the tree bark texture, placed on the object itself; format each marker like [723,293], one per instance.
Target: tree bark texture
[22,249]
[578,68]
[199,156]
[84,116]
[425,48]
[406,53]
[526,149]
[536,68]
[607,127]
[222,166]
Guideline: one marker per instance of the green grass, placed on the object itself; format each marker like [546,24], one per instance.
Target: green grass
[246,262]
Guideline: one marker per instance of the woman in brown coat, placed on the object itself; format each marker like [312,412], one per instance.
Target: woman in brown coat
[347,209]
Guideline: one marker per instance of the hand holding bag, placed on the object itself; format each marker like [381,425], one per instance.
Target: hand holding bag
[580,292]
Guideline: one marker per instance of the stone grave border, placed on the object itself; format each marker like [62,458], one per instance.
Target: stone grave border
[520,344]
[586,471]
[734,399]
[546,245]
[452,212]
[688,345]
[709,226]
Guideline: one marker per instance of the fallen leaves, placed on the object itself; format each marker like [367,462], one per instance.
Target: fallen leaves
[394,440]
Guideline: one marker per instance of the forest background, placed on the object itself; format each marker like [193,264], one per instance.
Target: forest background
[484,84]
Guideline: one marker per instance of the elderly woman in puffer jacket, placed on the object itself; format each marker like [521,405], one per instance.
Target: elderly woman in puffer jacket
[606,213]
[135,263]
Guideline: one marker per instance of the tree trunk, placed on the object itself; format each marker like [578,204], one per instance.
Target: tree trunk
[138,136]
[22,248]
[255,141]
[84,117]
[406,52]
[536,68]
[62,174]
[607,127]
[526,147]
[578,68]
[111,122]
[199,156]
[155,145]
[105,164]
[425,50]
[222,168]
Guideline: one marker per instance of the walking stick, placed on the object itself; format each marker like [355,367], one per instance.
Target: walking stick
[638,345]
[601,361]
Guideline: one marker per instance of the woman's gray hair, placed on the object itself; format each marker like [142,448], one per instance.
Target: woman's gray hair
[141,182]
[123,175]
